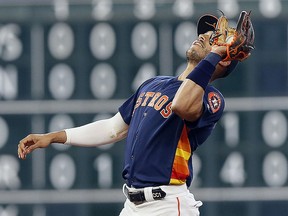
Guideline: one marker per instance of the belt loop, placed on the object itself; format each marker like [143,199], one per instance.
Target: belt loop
[125,190]
[148,194]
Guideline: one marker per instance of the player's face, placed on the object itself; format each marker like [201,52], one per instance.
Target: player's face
[199,48]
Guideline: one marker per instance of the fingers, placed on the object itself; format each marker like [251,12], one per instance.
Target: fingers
[22,151]
[24,145]
[31,148]
[32,142]
[220,50]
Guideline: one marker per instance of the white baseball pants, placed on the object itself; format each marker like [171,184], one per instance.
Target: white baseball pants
[177,202]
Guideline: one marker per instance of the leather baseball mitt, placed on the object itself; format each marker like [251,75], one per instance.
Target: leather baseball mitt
[239,41]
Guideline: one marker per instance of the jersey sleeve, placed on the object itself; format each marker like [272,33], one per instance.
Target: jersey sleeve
[213,107]
[127,108]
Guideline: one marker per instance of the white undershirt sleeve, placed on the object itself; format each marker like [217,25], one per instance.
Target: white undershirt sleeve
[98,133]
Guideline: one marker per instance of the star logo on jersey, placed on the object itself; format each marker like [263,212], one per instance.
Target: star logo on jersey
[214,101]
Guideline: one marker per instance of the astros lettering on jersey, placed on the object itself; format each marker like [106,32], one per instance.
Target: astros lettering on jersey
[147,111]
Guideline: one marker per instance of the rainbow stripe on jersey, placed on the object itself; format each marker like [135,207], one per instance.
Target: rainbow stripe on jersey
[180,170]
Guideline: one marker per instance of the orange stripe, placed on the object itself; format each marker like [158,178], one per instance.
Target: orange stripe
[180,170]
[179,176]
[180,160]
[178,204]
[182,144]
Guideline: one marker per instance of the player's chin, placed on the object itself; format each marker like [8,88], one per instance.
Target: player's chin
[195,55]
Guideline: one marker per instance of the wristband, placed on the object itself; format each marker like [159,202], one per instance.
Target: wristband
[213,58]
[202,73]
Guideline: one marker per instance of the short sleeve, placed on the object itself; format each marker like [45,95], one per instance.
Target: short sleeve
[213,107]
[127,108]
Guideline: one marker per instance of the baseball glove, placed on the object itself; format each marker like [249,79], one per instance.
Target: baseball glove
[239,41]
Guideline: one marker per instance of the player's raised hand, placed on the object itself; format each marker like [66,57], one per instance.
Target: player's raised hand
[32,142]
[220,50]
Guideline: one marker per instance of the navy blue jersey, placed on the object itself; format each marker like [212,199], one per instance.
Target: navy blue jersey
[159,142]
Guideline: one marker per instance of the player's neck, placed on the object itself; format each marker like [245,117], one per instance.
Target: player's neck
[187,71]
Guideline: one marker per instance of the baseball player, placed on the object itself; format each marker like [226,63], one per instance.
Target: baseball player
[164,122]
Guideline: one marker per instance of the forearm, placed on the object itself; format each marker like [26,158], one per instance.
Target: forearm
[203,72]
[188,101]
[57,137]
[98,133]
[35,141]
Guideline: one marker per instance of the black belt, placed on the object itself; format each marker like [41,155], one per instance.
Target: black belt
[138,196]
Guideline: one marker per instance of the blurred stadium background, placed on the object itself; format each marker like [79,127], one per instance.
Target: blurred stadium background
[66,63]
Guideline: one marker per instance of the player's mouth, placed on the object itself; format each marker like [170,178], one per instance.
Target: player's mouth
[199,43]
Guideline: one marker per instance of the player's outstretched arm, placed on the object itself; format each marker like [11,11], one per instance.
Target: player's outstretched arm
[93,134]
[98,133]
[34,141]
